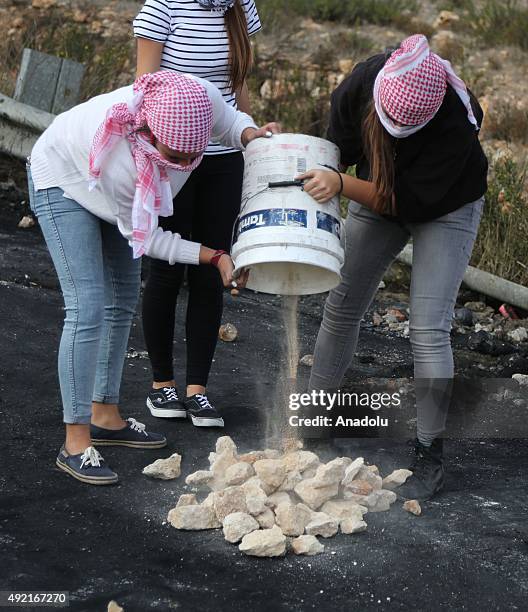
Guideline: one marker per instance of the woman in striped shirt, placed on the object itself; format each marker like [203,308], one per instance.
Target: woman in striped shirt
[210,39]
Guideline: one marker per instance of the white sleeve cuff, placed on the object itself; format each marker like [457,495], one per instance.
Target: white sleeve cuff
[173,248]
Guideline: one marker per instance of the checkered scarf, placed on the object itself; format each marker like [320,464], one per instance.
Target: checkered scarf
[179,114]
[411,86]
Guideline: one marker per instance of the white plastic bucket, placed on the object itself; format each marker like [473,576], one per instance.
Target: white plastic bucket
[291,242]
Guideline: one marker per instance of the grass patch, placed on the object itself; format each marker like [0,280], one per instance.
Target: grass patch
[501,247]
[381,12]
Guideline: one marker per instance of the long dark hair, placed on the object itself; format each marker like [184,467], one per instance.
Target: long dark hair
[240,52]
[379,148]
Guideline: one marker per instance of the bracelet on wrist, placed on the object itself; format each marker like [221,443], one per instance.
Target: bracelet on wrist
[339,175]
[216,257]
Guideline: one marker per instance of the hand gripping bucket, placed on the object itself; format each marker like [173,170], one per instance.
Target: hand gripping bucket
[291,242]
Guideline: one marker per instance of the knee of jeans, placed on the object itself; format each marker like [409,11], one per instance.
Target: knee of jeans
[429,338]
[85,314]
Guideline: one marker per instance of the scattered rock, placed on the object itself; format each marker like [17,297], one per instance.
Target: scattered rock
[271,472]
[307,361]
[252,457]
[291,481]
[343,509]
[352,470]
[43,4]
[445,19]
[368,475]
[255,497]
[199,478]
[266,519]
[187,499]
[397,478]
[483,342]
[113,606]
[522,379]
[332,472]
[398,315]
[238,473]
[277,498]
[464,316]
[228,501]
[264,543]
[476,306]
[380,501]
[301,461]
[164,469]
[349,526]
[307,545]
[193,517]
[413,506]
[322,524]
[292,518]
[314,494]
[237,525]
[518,335]
[228,332]
[225,443]
[26,222]
[360,487]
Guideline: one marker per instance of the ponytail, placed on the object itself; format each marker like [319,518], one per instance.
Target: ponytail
[240,52]
[380,152]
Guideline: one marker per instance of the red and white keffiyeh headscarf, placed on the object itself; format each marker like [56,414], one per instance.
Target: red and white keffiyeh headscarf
[411,86]
[179,113]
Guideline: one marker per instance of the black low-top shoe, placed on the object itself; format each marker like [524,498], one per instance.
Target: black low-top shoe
[165,403]
[133,435]
[88,467]
[427,472]
[201,412]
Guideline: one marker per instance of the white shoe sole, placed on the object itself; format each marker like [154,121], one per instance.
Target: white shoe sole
[201,422]
[93,480]
[166,413]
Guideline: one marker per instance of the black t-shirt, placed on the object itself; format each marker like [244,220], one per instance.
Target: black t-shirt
[438,169]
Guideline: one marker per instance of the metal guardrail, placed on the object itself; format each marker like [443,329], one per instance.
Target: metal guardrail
[20,126]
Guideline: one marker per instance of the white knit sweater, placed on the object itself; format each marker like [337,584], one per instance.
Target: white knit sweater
[60,159]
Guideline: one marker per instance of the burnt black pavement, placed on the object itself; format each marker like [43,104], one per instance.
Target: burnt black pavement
[468,551]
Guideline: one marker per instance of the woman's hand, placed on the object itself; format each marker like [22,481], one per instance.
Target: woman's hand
[322,185]
[226,267]
[250,134]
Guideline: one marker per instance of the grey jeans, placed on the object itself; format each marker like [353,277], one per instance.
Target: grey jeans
[441,252]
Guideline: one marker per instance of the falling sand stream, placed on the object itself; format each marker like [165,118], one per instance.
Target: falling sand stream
[278,433]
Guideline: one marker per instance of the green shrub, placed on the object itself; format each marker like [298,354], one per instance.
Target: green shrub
[501,247]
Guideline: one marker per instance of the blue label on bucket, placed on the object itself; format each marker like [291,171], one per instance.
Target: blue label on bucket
[328,223]
[273,217]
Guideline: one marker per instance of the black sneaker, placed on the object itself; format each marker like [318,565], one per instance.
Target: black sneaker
[87,467]
[201,412]
[165,403]
[132,435]
[427,472]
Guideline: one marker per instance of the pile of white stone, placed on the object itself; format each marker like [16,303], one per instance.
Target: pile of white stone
[262,498]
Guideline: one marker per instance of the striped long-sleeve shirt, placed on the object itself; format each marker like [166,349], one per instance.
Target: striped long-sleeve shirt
[195,41]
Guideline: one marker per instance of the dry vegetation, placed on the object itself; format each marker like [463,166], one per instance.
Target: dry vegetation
[307,48]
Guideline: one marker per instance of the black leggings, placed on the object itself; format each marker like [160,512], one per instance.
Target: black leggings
[204,211]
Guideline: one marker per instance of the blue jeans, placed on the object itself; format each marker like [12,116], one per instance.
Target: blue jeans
[441,252]
[100,283]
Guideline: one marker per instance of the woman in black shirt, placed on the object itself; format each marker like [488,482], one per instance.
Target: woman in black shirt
[410,126]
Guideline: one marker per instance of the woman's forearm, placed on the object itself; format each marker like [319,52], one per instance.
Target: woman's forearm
[363,192]
[148,56]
